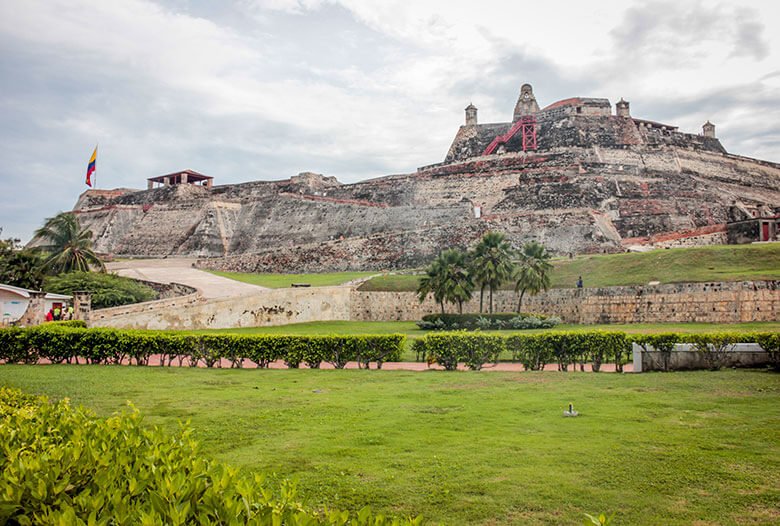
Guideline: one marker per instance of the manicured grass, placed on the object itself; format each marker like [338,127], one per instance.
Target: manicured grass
[716,263]
[278,281]
[473,448]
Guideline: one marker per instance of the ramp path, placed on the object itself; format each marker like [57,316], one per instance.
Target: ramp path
[180,270]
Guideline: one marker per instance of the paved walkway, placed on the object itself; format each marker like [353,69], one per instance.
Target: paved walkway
[180,270]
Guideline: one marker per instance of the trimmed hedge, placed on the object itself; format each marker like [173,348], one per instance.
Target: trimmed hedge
[502,320]
[572,349]
[63,465]
[58,344]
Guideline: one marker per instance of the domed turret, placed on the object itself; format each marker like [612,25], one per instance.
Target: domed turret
[708,130]
[621,108]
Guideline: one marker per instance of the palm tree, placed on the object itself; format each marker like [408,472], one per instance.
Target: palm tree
[448,279]
[491,264]
[533,275]
[69,247]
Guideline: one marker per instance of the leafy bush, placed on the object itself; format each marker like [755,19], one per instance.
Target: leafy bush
[770,342]
[498,321]
[108,290]
[63,465]
[59,343]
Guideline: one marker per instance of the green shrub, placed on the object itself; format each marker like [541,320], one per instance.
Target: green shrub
[770,342]
[475,350]
[108,290]
[58,343]
[62,465]
[504,320]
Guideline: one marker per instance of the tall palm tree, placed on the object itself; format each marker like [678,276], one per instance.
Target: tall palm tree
[69,247]
[448,279]
[533,273]
[492,264]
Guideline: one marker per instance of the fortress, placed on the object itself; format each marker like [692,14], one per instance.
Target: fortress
[573,175]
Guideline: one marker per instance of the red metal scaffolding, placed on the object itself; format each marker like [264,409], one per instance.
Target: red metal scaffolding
[526,125]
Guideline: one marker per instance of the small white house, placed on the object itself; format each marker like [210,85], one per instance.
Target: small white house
[16,300]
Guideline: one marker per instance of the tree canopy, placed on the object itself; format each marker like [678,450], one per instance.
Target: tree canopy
[67,245]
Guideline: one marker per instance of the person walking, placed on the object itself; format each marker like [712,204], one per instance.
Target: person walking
[579,282]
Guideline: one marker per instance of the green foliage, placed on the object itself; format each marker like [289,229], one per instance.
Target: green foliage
[511,320]
[491,264]
[663,343]
[568,348]
[770,342]
[60,343]
[63,465]
[699,264]
[601,520]
[448,279]
[20,267]
[714,347]
[68,247]
[533,271]
[448,349]
[108,290]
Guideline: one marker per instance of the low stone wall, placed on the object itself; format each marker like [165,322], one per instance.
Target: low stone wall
[719,302]
[685,357]
[273,307]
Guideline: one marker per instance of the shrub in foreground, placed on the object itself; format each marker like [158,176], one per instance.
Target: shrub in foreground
[63,465]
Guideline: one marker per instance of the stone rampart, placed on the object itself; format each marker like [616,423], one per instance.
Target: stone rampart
[272,307]
[718,302]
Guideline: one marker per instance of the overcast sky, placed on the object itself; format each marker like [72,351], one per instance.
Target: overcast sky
[264,89]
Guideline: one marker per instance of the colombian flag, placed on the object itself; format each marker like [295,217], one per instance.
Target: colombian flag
[91,167]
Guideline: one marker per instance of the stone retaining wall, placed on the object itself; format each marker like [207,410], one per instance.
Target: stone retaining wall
[718,302]
[272,307]
[685,357]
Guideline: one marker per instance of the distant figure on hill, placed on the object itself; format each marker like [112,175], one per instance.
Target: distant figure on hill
[579,282]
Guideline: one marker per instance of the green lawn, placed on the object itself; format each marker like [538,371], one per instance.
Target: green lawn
[278,281]
[716,263]
[473,448]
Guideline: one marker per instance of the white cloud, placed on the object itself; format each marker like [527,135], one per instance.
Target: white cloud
[266,88]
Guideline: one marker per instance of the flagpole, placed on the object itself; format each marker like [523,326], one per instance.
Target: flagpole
[96,147]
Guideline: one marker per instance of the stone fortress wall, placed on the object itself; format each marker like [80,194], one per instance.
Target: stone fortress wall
[726,302]
[598,182]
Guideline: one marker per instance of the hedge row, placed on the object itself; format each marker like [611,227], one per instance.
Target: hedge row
[567,349]
[62,465]
[59,344]
[498,321]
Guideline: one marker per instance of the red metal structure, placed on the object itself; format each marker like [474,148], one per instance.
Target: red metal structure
[526,125]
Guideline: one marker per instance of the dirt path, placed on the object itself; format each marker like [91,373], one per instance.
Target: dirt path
[155,361]
[180,270]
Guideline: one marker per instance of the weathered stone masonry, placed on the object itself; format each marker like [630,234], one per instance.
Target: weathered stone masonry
[598,181]
[686,302]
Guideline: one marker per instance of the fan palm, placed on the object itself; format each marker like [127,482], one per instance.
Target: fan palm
[68,247]
[448,279]
[533,273]
[491,264]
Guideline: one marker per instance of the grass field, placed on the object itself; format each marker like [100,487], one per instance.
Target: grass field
[473,448]
[716,263]
[278,281]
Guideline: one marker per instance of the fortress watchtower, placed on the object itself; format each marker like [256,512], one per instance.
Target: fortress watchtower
[471,115]
[526,103]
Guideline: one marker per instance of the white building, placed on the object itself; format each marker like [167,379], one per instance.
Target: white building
[15,301]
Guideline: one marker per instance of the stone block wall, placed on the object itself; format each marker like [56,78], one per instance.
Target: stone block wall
[273,307]
[719,302]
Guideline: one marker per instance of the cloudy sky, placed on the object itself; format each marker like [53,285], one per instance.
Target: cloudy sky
[264,89]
